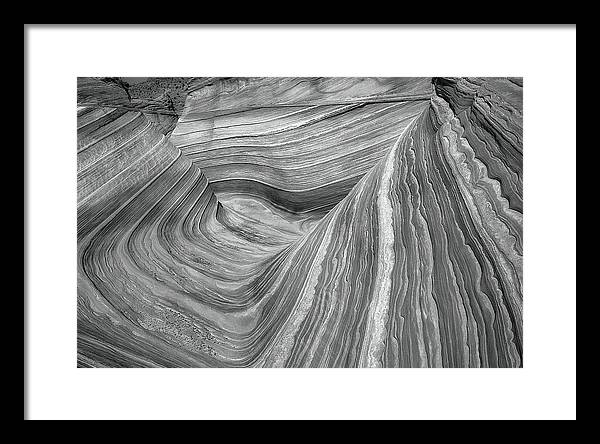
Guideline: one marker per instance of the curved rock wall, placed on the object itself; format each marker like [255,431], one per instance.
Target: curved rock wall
[302,143]
[304,223]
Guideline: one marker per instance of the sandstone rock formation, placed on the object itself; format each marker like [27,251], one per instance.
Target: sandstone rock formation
[300,222]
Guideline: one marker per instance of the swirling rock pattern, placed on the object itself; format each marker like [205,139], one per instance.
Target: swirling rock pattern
[302,222]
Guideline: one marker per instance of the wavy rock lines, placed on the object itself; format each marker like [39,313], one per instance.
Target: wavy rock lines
[301,144]
[303,223]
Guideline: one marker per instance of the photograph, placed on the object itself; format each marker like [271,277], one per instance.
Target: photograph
[299,222]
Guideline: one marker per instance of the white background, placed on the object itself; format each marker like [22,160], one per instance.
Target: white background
[543,389]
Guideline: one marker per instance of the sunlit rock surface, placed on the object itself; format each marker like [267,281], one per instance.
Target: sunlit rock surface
[301,222]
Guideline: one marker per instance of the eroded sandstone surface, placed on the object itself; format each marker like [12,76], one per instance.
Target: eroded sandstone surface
[300,222]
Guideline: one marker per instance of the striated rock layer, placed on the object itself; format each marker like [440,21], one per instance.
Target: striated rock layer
[303,222]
